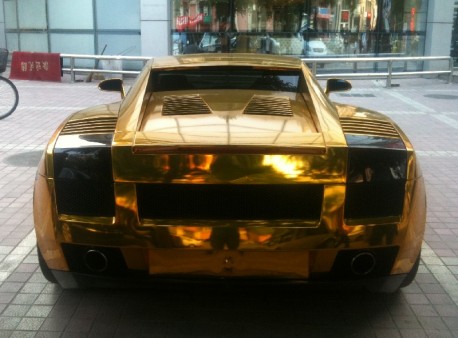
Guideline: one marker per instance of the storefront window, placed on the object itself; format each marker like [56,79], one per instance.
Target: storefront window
[75,27]
[454,44]
[307,28]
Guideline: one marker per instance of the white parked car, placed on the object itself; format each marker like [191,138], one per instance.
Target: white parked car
[315,48]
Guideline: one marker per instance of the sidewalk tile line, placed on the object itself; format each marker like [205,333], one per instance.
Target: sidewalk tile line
[50,108]
[15,257]
[411,102]
[440,271]
[447,120]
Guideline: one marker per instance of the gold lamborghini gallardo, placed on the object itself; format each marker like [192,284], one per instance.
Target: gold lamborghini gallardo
[229,166]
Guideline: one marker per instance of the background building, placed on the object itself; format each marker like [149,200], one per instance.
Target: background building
[295,27]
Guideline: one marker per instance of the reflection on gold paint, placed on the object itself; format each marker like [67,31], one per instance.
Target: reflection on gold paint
[188,162]
[66,233]
[126,202]
[243,234]
[258,238]
[355,233]
[289,166]
[185,168]
[200,162]
[196,233]
[164,162]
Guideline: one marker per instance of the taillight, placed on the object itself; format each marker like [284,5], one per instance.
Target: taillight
[376,181]
[84,181]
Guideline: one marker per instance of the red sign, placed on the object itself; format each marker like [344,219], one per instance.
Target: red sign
[36,66]
[344,15]
[185,22]
[413,11]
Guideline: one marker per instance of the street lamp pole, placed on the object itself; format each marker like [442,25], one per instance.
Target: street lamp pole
[232,15]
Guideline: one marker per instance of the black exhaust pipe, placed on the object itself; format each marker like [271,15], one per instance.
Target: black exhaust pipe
[96,261]
[363,263]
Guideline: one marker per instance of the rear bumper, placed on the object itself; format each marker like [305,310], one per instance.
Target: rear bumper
[72,280]
[94,266]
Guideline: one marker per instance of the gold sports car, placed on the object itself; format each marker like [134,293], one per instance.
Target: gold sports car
[229,166]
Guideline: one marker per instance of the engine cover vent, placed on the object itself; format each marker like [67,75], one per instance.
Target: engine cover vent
[268,105]
[184,105]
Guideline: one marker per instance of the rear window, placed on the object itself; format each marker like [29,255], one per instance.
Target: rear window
[226,78]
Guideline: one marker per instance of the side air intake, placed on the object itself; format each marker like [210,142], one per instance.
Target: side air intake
[368,127]
[90,126]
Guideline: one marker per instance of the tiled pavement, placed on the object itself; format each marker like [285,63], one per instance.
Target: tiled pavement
[427,109]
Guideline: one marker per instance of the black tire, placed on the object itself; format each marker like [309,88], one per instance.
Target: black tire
[9,97]
[44,268]
[412,273]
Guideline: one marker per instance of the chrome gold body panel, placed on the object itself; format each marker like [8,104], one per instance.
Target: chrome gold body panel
[203,183]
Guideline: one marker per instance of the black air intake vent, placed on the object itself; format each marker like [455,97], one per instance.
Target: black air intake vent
[184,105]
[90,126]
[268,105]
[230,202]
[368,127]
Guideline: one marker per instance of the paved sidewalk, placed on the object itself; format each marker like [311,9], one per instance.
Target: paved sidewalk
[427,110]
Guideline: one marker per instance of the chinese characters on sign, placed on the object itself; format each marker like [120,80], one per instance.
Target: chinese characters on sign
[31,66]
[185,22]
[36,66]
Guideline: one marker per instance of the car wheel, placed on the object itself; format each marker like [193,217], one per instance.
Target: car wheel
[44,268]
[412,273]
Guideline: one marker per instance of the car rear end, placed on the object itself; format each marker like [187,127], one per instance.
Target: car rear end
[228,182]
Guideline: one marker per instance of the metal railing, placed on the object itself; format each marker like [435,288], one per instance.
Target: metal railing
[73,70]
[389,71]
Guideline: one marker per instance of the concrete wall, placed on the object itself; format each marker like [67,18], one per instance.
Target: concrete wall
[155,27]
[439,30]
[2,27]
